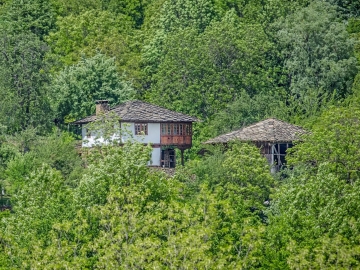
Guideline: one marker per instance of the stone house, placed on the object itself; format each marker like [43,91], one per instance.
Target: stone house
[272,136]
[164,129]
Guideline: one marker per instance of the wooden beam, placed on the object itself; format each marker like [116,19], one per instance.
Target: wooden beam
[182,157]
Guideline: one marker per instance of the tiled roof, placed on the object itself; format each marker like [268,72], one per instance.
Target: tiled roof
[136,110]
[269,130]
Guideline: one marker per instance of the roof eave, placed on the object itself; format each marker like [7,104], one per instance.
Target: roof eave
[79,122]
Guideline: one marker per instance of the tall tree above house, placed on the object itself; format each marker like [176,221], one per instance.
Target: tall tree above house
[201,73]
[89,32]
[317,53]
[77,87]
[36,16]
[174,16]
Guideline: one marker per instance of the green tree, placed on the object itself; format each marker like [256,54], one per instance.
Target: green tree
[35,16]
[56,150]
[44,200]
[313,216]
[333,140]
[246,110]
[127,216]
[77,87]
[240,182]
[90,32]
[200,74]
[354,29]
[174,16]
[260,11]
[313,222]
[23,85]
[317,52]
[133,9]
[349,8]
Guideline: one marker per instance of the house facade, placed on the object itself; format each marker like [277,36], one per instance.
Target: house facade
[146,123]
[272,136]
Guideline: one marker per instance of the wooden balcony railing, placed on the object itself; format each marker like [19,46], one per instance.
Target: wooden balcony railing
[176,140]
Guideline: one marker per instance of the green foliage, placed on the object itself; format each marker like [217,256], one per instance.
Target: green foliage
[42,201]
[134,9]
[57,151]
[229,62]
[123,215]
[354,29]
[131,158]
[201,73]
[176,15]
[246,168]
[77,87]
[240,182]
[334,140]
[24,76]
[88,33]
[7,153]
[246,110]
[35,16]
[314,222]
[349,8]
[317,52]
[184,16]
[264,12]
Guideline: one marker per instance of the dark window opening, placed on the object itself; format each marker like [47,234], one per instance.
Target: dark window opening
[279,153]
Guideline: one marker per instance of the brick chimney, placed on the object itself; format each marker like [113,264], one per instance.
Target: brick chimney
[102,106]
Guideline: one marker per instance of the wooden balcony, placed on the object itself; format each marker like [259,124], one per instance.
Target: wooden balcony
[176,134]
[181,141]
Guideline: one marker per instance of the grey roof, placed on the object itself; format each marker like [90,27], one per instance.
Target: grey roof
[135,110]
[269,130]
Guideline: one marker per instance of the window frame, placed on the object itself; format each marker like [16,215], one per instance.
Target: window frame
[176,129]
[141,129]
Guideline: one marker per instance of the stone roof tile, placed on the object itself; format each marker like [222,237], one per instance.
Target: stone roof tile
[269,130]
[139,111]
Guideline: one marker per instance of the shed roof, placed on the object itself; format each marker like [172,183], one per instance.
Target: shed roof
[136,110]
[269,130]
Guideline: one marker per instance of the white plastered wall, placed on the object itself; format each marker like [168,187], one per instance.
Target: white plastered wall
[155,157]
[153,137]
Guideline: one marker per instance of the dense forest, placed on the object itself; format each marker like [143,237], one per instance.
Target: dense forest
[228,62]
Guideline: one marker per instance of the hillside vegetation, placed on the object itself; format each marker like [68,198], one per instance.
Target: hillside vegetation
[228,62]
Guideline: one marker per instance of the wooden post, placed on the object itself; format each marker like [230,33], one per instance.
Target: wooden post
[182,157]
[278,154]
[273,169]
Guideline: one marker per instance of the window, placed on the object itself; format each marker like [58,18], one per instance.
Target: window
[141,129]
[176,129]
[188,129]
[163,129]
[168,129]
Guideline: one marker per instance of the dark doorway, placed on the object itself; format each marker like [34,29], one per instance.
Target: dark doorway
[168,158]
